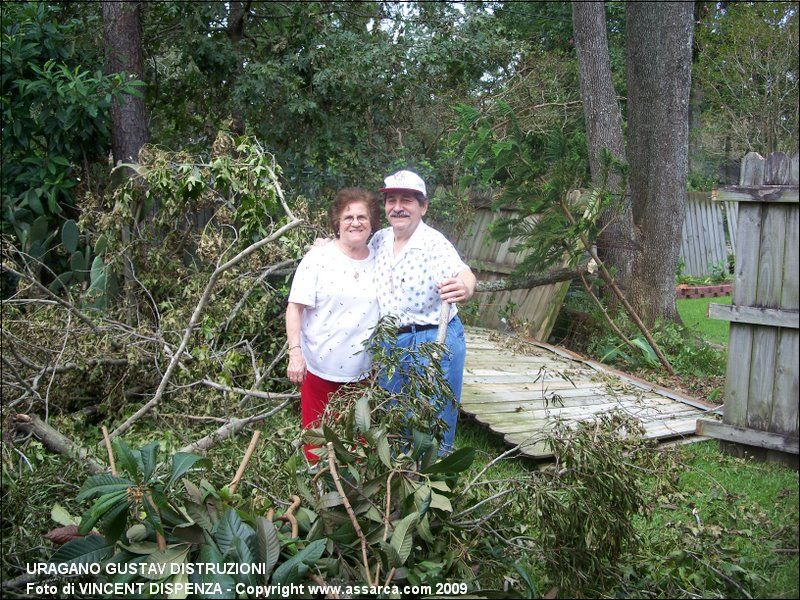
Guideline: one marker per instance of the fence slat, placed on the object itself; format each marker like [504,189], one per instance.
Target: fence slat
[769,258]
[784,418]
[752,172]
[740,341]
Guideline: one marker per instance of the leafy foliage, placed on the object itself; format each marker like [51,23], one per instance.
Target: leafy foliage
[55,122]
[587,514]
[748,77]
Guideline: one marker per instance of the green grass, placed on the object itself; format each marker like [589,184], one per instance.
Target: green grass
[739,514]
[694,313]
[718,517]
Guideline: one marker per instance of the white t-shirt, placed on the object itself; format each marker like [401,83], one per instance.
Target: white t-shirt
[341,311]
[407,282]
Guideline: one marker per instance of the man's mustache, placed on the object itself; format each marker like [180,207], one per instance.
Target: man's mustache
[402,213]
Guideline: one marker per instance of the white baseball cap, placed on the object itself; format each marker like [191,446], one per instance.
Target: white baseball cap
[404,180]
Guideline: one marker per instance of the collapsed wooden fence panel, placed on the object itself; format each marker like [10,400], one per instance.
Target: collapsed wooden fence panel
[761,391]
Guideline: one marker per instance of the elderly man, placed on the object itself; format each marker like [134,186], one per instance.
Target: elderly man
[416,269]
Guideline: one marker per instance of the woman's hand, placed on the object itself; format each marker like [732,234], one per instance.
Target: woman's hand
[296,371]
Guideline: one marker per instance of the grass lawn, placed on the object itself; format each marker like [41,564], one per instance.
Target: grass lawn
[694,313]
[723,527]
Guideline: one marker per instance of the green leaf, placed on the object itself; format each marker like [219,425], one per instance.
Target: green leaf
[60,282]
[77,262]
[441,502]
[362,414]
[532,591]
[392,557]
[101,506]
[85,550]
[403,536]
[100,245]
[148,454]
[60,515]
[421,443]
[293,569]
[269,546]
[125,456]
[648,353]
[384,451]
[194,492]
[151,515]
[165,562]
[231,526]
[136,533]
[97,485]
[69,235]
[34,202]
[97,272]
[424,530]
[39,230]
[182,462]
[199,514]
[115,520]
[458,461]
[210,555]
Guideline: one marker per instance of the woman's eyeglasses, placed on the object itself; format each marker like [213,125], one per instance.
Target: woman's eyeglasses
[361,219]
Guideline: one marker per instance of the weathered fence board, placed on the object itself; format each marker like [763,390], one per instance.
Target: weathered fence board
[703,242]
[534,310]
[762,383]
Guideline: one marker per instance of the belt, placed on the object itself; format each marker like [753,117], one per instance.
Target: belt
[414,327]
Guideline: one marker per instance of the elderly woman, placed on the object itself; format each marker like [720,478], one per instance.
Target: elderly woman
[333,307]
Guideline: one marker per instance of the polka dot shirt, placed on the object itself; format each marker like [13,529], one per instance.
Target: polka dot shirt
[406,283]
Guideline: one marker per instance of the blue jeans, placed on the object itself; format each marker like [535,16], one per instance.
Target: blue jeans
[452,365]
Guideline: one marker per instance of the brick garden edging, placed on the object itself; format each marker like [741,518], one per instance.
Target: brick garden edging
[684,291]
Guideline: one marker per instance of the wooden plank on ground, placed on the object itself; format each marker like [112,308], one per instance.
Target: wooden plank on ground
[512,394]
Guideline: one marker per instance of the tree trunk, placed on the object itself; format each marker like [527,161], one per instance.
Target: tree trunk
[236,23]
[603,119]
[122,35]
[659,59]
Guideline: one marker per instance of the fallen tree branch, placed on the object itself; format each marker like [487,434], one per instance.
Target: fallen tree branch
[240,471]
[350,513]
[612,285]
[56,441]
[173,363]
[262,277]
[61,301]
[532,281]
[254,393]
[232,427]
[609,320]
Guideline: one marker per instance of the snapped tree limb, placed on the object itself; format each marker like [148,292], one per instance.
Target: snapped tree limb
[57,441]
[196,318]
[532,281]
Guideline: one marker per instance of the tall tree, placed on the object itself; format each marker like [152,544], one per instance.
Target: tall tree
[122,34]
[603,119]
[659,59]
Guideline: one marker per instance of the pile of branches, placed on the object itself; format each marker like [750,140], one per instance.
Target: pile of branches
[193,318]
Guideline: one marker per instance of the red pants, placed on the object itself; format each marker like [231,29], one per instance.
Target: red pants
[314,396]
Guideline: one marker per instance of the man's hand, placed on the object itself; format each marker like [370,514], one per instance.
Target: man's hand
[453,290]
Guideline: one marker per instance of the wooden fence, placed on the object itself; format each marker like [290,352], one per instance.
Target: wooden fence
[761,389]
[704,243]
[533,311]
